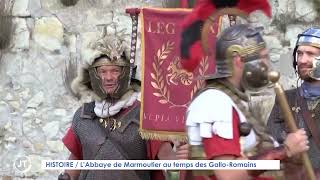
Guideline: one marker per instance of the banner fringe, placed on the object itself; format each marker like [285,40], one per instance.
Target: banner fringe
[163,136]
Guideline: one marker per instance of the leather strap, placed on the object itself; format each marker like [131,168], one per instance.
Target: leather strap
[309,121]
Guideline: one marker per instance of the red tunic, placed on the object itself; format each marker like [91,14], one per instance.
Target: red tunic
[218,146]
[72,143]
[153,149]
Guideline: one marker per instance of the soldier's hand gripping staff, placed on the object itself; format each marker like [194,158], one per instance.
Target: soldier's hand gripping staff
[217,116]
[304,102]
[218,119]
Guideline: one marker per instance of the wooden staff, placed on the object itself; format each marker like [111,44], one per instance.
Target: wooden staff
[274,77]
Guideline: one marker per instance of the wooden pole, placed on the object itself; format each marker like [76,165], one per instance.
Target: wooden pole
[283,102]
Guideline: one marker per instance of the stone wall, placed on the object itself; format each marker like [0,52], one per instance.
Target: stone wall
[36,106]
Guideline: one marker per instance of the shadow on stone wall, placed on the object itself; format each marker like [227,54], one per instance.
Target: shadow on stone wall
[6,27]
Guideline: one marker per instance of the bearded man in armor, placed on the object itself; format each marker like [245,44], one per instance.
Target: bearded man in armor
[304,101]
[107,128]
[219,122]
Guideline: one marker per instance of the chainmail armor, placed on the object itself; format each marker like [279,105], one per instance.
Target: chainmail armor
[101,143]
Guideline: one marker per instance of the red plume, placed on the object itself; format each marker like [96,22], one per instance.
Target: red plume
[191,50]
[195,54]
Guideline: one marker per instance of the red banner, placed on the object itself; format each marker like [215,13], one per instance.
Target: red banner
[167,89]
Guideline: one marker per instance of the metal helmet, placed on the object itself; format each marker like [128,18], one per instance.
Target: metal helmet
[123,81]
[108,50]
[247,42]
[310,37]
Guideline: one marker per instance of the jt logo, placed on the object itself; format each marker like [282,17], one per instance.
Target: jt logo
[22,164]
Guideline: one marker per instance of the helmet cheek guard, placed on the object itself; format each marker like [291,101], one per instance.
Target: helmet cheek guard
[123,79]
[255,76]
